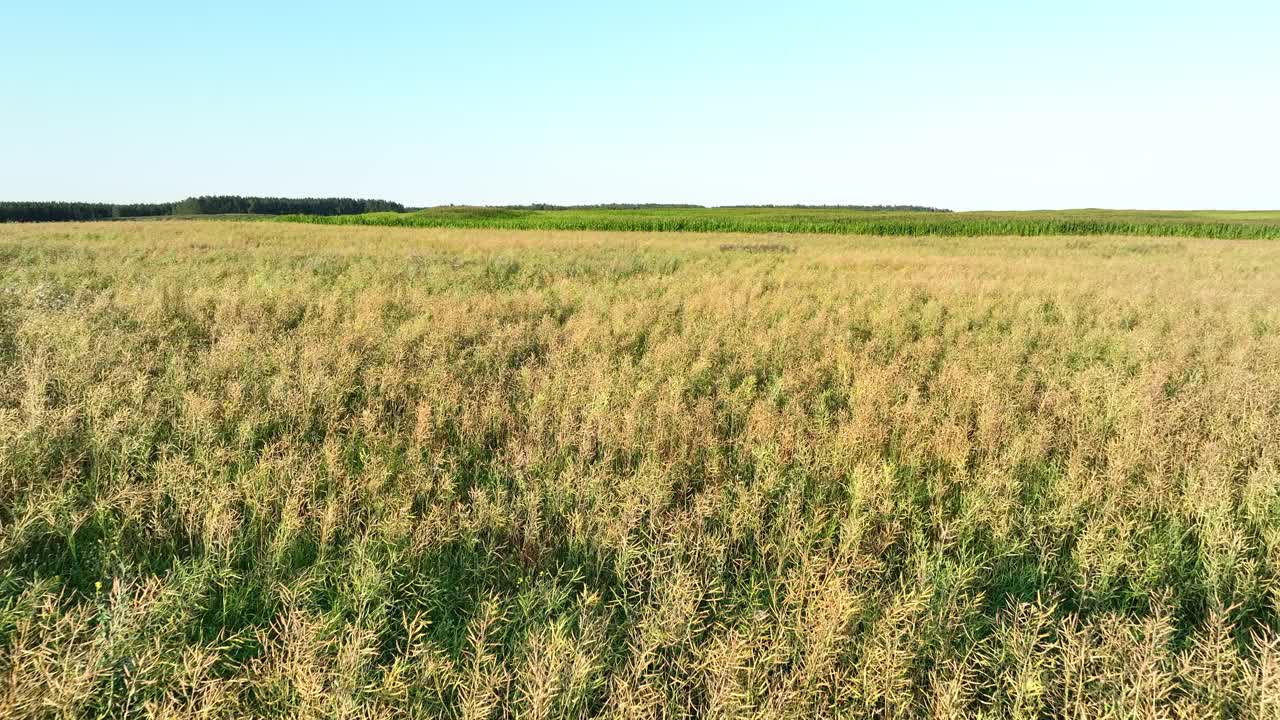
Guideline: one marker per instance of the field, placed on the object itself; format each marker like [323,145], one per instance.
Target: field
[276,469]
[1208,224]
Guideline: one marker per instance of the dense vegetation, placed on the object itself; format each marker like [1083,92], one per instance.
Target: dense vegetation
[234,204]
[763,219]
[61,211]
[204,205]
[261,470]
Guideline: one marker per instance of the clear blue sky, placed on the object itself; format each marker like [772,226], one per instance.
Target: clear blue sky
[1159,104]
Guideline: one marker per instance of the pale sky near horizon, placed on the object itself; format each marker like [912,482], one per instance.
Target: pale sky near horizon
[982,105]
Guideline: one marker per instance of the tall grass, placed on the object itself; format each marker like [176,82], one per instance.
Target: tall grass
[1227,225]
[270,470]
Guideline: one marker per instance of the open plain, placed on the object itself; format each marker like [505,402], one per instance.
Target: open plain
[288,470]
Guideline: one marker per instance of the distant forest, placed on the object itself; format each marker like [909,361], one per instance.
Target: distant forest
[203,205]
[239,205]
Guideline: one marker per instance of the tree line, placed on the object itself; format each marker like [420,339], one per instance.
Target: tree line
[37,211]
[53,211]
[22,211]
[235,204]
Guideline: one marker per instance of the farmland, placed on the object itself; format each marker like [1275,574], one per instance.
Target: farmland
[508,467]
[832,220]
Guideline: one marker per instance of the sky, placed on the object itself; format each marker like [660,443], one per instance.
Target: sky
[980,105]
